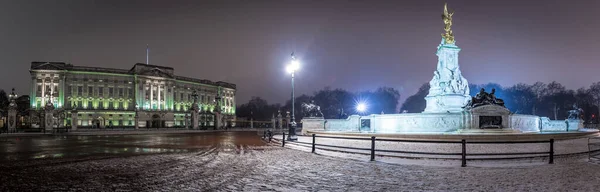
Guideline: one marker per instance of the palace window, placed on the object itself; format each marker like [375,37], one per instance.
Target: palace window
[79,90]
[90,91]
[120,92]
[100,105]
[110,91]
[101,91]
[130,92]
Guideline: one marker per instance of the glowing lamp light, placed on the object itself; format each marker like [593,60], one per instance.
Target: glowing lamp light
[361,107]
[293,66]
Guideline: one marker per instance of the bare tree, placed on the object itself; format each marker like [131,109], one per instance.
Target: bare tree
[539,89]
[594,91]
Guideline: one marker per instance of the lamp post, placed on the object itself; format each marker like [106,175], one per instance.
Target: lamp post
[292,68]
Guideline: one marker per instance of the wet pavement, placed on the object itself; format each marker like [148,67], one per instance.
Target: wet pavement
[76,146]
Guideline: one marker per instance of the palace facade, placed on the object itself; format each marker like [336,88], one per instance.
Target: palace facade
[106,97]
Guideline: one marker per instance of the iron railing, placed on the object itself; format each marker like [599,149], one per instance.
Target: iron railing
[373,150]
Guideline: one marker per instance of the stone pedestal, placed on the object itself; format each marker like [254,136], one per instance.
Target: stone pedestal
[449,90]
[218,120]
[312,124]
[73,120]
[12,112]
[195,110]
[186,118]
[137,121]
[574,124]
[445,103]
[195,120]
[489,117]
[12,119]
[49,120]
[279,120]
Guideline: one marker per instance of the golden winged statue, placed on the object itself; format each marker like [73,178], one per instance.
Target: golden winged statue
[447,18]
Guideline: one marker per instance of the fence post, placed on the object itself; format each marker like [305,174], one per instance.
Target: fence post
[464,153]
[551,151]
[283,140]
[372,148]
[313,144]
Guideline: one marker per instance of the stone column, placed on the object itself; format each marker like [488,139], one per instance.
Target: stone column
[165,97]
[287,120]
[43,102]
[33,93]
[61,91]
[159,104]
[74,119]
[151,96]
[273,122]
[52,90]
[279,120]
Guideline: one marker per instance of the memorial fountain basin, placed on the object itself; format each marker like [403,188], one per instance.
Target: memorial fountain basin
[477,119]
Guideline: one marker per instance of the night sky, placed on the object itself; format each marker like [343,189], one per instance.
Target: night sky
[356,45]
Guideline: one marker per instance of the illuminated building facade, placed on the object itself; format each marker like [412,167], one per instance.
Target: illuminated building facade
[110,97]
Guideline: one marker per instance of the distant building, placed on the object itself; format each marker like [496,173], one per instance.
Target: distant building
[109,97]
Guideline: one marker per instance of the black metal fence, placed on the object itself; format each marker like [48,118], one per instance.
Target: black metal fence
[373,150]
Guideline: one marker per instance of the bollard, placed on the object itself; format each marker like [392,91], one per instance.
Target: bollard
[551,161]
[372,148]
[464,153]
[270,136]
[313,144]
[283,140]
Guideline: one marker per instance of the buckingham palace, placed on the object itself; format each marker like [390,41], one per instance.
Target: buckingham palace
[105,97]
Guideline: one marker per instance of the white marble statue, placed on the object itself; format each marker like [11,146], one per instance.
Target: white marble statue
[449,90]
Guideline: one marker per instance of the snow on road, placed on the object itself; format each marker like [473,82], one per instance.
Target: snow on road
[271,168]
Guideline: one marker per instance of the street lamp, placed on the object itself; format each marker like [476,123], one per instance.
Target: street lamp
[361,107]
[292,68]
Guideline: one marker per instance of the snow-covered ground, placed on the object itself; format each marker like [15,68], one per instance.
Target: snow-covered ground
[272,168]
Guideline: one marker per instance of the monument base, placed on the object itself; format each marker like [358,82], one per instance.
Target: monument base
[574,124]
[490,131]
[312,124]
[445,103]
